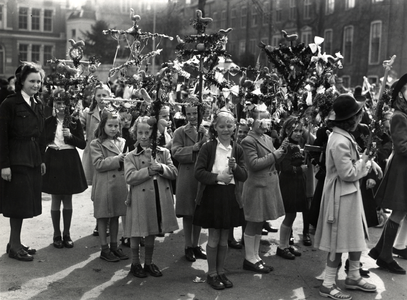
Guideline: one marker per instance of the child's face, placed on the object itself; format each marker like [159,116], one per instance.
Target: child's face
[60,107]
[125,119]
[297,133]
[224,127]
[242,132]
[112,127]
[261,126]
[192,115]
[165,115]
[143,133]
[99,94]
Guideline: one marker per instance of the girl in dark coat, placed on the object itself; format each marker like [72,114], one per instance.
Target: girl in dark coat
[21,156]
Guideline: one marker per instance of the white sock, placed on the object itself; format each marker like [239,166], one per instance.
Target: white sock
[354,266]
[401,238]
[285,233]
[330,276]
[257,239]
[249,248]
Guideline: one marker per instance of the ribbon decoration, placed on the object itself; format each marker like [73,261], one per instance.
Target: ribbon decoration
[316,46]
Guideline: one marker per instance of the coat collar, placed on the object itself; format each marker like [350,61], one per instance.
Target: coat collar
[266,143]
[108,144]
[95,112]
[347,135]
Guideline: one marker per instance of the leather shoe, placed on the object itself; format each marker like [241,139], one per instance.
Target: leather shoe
[400,253]
[58,242]
[267,266]
[27,249]
[267,226]
[215,282]
[235,244]
[285,253]
[294,251]
[153,270]
[199,252]
[392,267]
[264,232]
[226,282]
[306,239]
[138,271]
[20,255]
[374,253]
[67,241]
[189,254]
[257,267]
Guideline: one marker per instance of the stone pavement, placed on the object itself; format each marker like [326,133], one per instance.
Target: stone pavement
[79,273]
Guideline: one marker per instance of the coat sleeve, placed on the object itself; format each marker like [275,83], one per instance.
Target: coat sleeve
[102,163]
[182,153]
[77,139]
[252,159]
[132,175]
[201,173]
[240,173]
[398,133]
[169,170]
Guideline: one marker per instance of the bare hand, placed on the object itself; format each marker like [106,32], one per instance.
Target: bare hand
[378,171]
[232,163]
[279,153]
[370,183]
[224,177]
[43,169]
[156,166]
[6,174]
[122,156]
[66,132]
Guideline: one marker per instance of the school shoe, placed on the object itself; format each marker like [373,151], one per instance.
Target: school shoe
[267,266]
[153,270]
[285,253]
[21,255]
[294,251]
[258,267]
[334,293]
[267,226]
[109,256]
[58,242]
[234,244]
[138,271]
[215,282]
[392,267]
[27,249]
[199,252]
[352,284]
[226,282]
[306,239]
[120,254]
[189,254]
[400,253]
[67,241]
[125,242]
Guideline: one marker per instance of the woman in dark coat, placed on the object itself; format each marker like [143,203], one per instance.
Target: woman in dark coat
[65,175]
[392,192]
[22,151]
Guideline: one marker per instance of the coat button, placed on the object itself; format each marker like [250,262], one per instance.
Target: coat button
[143,190]
[114,176]
[142,162]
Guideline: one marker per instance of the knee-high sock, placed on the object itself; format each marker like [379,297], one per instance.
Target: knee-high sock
[220,260]
[353,272]
[212,257]
[249,241]
[135,250]
[56,219]
[330,276]
[67,217]
[401,239]
[388,242]
[149,250]
[257,239]
[285,233]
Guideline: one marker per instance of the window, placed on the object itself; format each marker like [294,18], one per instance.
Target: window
[252,46]
[47,53]
[279,11]
[242,47]
[223,20]
[306,37]
[327,44]
[23,18]
[35,53]
[2,70]
[293,10]
[375,41]
[73,34]
[347,44]
[243,17]
[329,6]
[47,20]
[234,17]
[255,17]
[307,9]
[349,4]
[266,13]
[35,19]
[23,52]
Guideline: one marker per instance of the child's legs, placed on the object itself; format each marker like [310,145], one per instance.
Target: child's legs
[222,251]
[285,229]
[67,213]
[149,249]
[212,250]
[135,250]
[331,270]
[56,213]
[252,229]
[102,225]
[114,229]
[123,223]
[354,265]
[187,225]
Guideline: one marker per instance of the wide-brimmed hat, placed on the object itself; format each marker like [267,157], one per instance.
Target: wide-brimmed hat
[398,85]
[344,107]
[359,96]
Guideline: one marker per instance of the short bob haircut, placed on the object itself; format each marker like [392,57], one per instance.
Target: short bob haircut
[23,71]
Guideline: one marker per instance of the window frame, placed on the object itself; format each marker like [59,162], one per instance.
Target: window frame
[327,41]
[329,7]
[243,24]
[348,57]
[377,22]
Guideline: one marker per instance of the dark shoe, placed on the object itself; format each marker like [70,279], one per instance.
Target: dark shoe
[400,253]
[125,242]
[58,242]
[362,271]
[153,270]
[291,241]
[267,266]
[138,271]
[20,255]
[294,251]
[306,239]
[109,256]
[257,267]
[189,254]
[374,253]
[267,226]
[392,267]
[215,282]
[25,248]
[95,231]
[226,282]
[286,253]
[120,254]
[67,242]
[199,252]
[235,244]
[264,232]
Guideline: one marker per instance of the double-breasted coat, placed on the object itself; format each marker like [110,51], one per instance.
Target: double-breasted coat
[145,208]
[186,186]
[90,120]
[342,224]
[392,192]
[261,192]
[109,188]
